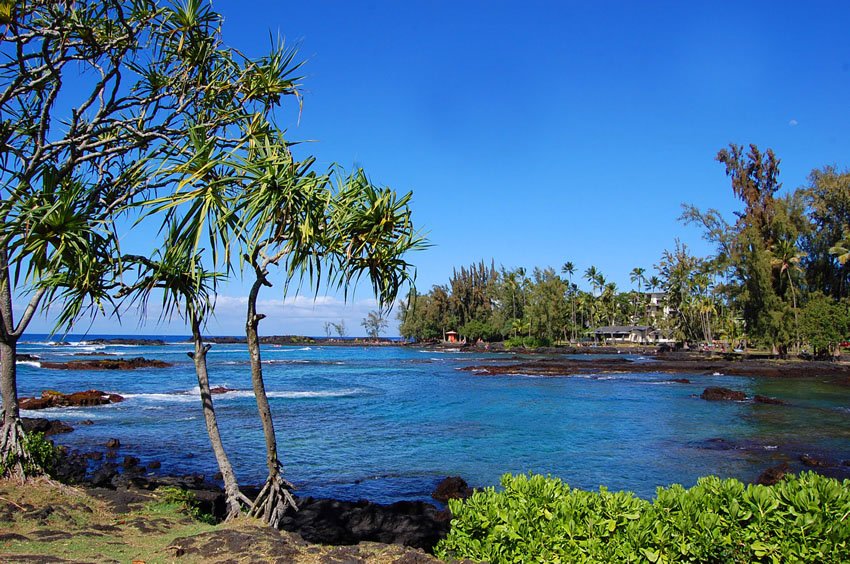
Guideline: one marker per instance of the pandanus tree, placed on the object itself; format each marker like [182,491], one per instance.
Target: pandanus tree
[187,288]
[91,94]
[57,243]
[317,228]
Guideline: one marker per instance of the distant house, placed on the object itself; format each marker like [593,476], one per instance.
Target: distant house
[451,336]
[656,306]
[640,334]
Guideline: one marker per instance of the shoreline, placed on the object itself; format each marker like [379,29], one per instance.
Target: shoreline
[670,363]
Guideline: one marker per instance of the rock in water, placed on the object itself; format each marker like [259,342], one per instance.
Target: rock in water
[773,475]
[107,364]
[452,487]
[41,425]
[88,398]
[768,400]
[52,398]
[813,462]
[723,394]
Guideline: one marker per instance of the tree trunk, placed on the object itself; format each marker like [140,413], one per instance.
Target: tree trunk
[234,498]
[796,321]
[274,498]
[8,380]
[15,461]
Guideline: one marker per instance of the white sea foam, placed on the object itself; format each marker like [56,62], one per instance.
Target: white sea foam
[285,349]
[181,397]
[317,394]
[70,412]
[34,363]
[193,395]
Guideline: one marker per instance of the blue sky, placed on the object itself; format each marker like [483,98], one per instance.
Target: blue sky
[539,132]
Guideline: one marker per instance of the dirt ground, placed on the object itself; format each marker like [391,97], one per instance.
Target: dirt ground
[43,521]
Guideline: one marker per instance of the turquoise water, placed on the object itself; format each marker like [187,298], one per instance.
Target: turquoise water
[386,423]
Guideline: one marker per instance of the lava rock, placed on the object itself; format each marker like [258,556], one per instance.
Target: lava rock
[329,521]
[722,394]
[107,364]
[103,476]
[113,443]
[130,462]
[451,487]
[220,390]
[52,398]
[813,462]
[768,400]
[70,467]
[24,357]
[41,425]
[154,465]
[773,475]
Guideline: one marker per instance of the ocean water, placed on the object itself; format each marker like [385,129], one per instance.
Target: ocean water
[387,423]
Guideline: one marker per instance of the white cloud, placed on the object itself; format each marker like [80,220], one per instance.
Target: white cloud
[793,123]
[293,315]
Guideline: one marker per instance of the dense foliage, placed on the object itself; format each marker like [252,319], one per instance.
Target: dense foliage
[776,271]
[121,113]
[540,519]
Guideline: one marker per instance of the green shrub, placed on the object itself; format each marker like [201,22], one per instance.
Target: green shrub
[526,343]
[172,498]
[474,330]
[540,519]
[42,455]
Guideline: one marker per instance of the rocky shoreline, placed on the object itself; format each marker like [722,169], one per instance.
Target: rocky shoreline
[120,479]
[671,363]
[109,473]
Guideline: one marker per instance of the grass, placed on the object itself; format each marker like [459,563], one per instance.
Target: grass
[49,519]
[45,520]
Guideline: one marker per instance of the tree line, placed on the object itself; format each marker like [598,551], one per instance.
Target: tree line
[778,277]
[122,114]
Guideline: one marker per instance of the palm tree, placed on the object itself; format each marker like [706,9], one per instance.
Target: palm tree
[282,207]
[187,289]
[592,276]
[292,216]
[569,269]
[60,186]
[609,294]
[637,276]
[787,257]
[653,283]
[61,239]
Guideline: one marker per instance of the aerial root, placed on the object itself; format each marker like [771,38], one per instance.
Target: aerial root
[235,501]
[273,500]
[12,451]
